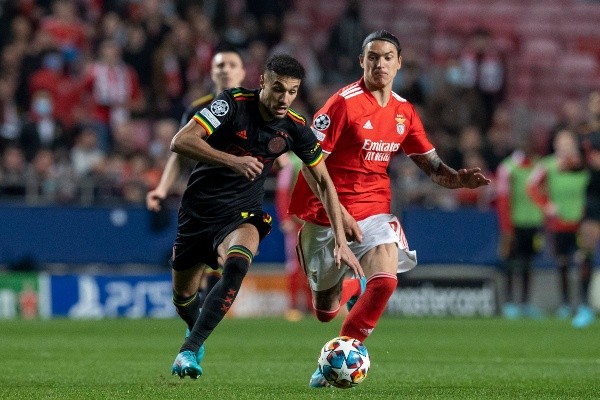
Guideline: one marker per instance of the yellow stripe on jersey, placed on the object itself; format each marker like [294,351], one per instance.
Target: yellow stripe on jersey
[207,126]
[240,95]
[315,161]
[296,117]
[203,100]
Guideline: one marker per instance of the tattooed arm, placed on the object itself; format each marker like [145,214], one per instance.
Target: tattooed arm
[448,177]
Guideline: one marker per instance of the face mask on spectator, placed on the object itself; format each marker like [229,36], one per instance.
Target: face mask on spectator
[453,75]
[42,107]
[53,61]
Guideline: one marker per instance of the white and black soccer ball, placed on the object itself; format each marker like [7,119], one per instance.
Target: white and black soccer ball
[344,362]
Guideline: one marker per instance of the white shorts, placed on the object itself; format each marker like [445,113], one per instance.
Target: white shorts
[316,245]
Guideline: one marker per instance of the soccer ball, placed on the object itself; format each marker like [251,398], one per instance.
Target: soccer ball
[344,362]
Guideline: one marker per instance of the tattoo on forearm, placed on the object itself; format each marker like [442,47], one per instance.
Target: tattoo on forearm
[435,168]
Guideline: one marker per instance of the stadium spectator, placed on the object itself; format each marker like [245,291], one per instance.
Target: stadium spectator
[138,53]
[49,178]
[86,155]
[411,82]
[69,32]
[113,89]
[221,219]
[170,67]
[450,107]
[360,128]
[32,60]
[501,138]
[483,71]
[64,86]
[41,129]
[520,222]
[10,121]
[13,170]
[294,43]
[571,118]
[256,55]
[557,186]
[343,45]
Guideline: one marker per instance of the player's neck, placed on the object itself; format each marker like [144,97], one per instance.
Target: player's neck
[382,95]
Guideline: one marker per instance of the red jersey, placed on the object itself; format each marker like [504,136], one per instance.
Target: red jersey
[360,137]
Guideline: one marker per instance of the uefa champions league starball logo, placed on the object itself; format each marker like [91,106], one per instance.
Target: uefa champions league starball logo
[322,122]
[219,108]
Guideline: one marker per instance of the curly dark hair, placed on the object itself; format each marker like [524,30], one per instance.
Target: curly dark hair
[285,65]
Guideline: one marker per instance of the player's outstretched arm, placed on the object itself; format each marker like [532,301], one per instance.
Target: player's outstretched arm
[190,142]
[325,191]
[170,173]
[448,177]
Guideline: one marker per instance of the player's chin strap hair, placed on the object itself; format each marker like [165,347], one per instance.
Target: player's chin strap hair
[381,35]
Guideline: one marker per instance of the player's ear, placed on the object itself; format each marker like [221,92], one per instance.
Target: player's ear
[262,81]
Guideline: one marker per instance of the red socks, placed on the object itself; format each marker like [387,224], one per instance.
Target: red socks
[350,287]
[363,318]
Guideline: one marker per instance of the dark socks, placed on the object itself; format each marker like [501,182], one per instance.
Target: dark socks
[221,297]
[188,308]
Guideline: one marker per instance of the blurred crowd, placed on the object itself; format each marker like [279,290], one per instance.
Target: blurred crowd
[91,92]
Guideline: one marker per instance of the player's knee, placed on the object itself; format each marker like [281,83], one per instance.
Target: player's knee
[326,315]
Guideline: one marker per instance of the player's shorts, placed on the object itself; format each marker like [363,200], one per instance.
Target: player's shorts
[316,244]
[565,243]
[592,208]
[525,242]
[197,241]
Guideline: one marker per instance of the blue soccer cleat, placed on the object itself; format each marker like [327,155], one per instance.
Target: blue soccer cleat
[186,365]
[200,353]
[352,300]
[317,380]
[511,311]
[584,317]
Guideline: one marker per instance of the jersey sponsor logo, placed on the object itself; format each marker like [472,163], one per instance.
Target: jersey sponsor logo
[368,125]
[219,107]
[276,145]
[380,150]
[322,122]
[210,117]
[320,135]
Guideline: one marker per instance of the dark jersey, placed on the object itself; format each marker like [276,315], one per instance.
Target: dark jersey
[196,106]
[235,126]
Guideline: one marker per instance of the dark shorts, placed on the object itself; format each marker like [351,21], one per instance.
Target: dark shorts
[565,243]
[197,241]
[524,244]
[592,208]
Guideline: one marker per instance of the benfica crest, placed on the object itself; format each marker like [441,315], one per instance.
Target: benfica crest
[400,127]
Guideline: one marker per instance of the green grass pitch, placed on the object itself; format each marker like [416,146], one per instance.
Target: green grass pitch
[411,358]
